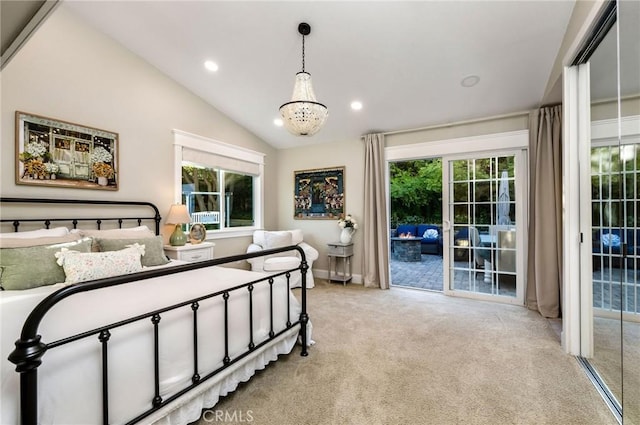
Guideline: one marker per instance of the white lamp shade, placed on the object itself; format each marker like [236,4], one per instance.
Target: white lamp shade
[303,116]
[178,214]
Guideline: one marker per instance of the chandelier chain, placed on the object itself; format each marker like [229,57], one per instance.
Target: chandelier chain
[303,53]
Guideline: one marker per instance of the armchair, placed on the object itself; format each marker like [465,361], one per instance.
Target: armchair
[263,239]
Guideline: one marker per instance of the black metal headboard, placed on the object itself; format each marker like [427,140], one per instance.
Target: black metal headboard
[15,221]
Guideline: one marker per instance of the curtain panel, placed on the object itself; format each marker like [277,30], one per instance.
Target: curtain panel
[544,271]
[376,243]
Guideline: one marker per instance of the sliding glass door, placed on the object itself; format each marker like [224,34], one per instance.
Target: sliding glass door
[484,203]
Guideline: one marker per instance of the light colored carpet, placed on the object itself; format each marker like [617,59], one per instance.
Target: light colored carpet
[414,357]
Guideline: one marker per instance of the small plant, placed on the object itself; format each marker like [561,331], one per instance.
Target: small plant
[51,167]
[100,169]
[347,222]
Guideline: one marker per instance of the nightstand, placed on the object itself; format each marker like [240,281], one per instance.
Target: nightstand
[343,252]
[190,252]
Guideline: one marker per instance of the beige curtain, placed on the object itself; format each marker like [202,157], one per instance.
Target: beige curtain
[376,246]
[544,274]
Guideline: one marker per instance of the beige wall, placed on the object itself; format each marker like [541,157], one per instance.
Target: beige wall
[609,110]
[447,132]
[71,72]
[320,232]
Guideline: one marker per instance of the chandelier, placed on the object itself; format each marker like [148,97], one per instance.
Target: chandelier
[303,115]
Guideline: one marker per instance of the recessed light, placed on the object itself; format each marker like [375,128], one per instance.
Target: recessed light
[211,66]
[278,122]
[470,81]
[356,105]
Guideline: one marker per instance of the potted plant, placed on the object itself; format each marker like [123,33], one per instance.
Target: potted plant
[103,172]
[52,169]
[33,159]
[101,169]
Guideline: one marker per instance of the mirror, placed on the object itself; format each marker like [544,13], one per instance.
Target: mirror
[615,184]
[629,62]
[605,220]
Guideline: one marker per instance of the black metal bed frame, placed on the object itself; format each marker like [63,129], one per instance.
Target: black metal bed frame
[30,348]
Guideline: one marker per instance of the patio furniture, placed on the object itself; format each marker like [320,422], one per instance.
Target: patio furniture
[406,249]
[430,236]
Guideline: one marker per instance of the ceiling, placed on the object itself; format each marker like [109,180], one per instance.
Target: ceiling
[404,61]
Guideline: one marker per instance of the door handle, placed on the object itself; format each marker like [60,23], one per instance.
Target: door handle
[446,225]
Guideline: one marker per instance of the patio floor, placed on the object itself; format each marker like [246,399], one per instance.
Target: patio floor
[428,274]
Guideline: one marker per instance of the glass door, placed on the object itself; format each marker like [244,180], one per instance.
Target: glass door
[484,203]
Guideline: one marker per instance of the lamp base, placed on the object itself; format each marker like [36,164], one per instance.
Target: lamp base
[178,237]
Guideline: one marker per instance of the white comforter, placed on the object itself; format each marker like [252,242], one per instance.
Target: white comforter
[70,376]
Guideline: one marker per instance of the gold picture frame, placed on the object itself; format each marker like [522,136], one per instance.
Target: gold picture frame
[56,153]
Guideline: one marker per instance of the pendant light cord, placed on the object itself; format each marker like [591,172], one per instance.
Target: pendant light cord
[302,52]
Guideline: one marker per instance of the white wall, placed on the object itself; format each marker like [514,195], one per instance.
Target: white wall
[71,72]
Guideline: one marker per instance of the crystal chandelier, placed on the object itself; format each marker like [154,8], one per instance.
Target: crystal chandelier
[303,115]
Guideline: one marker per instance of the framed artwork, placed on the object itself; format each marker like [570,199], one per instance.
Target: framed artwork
[319,194]
[51,152]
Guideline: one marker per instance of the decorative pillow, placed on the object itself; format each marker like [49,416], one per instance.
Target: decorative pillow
[27,242]
[40,233]
[431,234]
[153,248]
[296,236]
[80,267]
[611,239]
[278,240]
[26,268]
[130,233]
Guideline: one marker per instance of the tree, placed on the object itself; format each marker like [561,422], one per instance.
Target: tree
[416,191]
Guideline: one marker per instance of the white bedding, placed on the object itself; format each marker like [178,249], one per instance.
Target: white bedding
[70,376]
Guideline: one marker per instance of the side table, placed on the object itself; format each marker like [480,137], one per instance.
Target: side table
[340,253]
[191,252]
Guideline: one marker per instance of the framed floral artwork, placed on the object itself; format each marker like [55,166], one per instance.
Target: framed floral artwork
[51,152]
[319,194]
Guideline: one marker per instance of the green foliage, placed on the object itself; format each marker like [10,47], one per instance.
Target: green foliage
[416,191]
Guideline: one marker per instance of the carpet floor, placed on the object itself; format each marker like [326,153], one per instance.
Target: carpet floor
[415,357]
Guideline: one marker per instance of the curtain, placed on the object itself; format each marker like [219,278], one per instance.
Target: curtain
[376,245]
[544,271]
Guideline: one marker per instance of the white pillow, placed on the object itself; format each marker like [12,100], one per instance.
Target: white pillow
[278,240]
[296,236]
[128,233]
[80,267]
[41,233]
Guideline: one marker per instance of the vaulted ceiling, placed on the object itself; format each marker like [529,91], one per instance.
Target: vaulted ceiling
[407,62]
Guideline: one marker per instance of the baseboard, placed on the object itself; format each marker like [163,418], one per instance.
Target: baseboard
[324,274]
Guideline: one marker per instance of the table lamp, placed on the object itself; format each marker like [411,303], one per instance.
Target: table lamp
[178,215]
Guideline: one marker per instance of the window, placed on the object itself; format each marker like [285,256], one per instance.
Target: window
[220,184]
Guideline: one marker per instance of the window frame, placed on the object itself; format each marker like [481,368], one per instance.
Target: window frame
[183,140]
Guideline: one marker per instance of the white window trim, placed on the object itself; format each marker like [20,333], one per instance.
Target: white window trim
[182,139]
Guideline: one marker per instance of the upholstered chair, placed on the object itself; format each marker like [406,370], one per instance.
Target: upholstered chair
[263,239]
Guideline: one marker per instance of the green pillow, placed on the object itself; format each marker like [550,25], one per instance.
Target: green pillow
[31,267]
[153,248]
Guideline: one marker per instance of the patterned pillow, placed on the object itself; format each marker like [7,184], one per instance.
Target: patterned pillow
[611,239]
[80,267]
[431,234]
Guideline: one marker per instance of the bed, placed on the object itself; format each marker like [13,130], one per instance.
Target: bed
[153,346]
